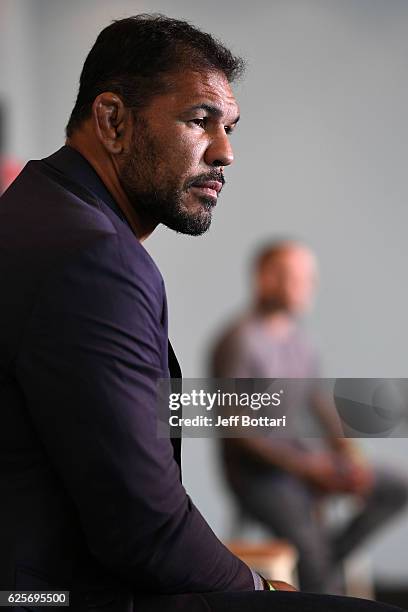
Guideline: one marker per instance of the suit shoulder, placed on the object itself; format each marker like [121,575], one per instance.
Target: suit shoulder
[45,220]
[39,210]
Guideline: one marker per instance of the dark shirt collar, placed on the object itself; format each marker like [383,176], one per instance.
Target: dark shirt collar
[71,163]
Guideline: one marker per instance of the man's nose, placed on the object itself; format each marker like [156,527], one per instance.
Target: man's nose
[219,151]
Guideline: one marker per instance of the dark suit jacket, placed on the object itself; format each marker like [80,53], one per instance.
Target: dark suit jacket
[91,498]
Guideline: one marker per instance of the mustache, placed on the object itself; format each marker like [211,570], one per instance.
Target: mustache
[200,179]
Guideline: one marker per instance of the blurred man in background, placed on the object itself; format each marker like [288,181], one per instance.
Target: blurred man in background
[280,482]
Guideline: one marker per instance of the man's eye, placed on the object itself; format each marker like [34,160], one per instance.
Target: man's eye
[200,122]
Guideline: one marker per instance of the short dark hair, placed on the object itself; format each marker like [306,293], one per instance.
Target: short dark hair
[131,56]
[270,251]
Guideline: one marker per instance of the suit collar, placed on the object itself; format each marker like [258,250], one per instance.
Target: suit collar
[72,164]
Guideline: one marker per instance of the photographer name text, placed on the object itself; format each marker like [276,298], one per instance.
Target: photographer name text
[231,421]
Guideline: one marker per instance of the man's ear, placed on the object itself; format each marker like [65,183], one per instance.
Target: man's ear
[110,118]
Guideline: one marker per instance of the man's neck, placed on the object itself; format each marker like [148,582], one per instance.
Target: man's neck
[107,171]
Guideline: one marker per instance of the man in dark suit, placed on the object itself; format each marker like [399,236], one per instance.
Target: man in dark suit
[92,500]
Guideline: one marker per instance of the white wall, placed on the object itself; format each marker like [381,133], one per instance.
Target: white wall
[321,154]
[19,90]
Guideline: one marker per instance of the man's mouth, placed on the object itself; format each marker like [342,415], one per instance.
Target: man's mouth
[208,188]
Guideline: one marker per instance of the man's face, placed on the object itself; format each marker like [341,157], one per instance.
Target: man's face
[173,170]
[287,281]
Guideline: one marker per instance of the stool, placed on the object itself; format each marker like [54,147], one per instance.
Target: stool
[274,559]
